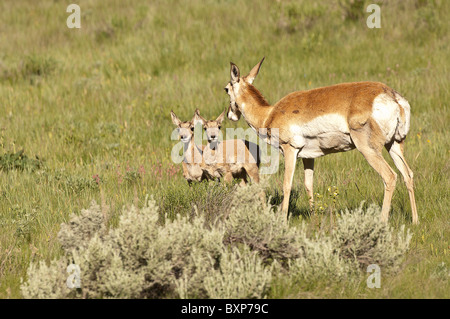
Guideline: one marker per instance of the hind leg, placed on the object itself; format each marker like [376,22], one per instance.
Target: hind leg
[308,164]
[371,148]
[396,152]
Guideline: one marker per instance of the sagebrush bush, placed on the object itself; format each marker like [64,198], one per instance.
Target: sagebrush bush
[321,261]
[361,236]
[142,258]
[241,274]
[78,232]
[251,221]
[149,255]
[47,281]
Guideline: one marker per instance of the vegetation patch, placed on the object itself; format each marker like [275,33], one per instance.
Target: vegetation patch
[19,161]
[237,256]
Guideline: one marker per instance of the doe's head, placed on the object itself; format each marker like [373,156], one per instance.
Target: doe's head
[237,86]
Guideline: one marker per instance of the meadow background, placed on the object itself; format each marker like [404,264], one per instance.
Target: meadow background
[84,114]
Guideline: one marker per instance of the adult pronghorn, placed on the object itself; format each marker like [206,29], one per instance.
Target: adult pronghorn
[338,118]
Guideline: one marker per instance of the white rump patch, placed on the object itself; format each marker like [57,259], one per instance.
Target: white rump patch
[385,111]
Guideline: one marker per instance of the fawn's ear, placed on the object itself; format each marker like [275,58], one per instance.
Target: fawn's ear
[234,72]
[175,119]
[254,72]
[198,118]
[220,118]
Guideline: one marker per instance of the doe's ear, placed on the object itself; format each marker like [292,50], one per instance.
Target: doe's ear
[175,119]
[254,72]
[221,118]
[234,72]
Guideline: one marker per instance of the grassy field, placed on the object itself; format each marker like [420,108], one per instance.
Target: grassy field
[90,109]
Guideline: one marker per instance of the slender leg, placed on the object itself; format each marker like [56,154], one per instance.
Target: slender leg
[396,152]
[290,158]
[243,180]
[252,171]
[308,164]
[228,177]
[375,158]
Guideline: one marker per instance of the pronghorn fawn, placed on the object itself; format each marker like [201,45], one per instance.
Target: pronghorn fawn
[229,159]
[308,124]
[194,168]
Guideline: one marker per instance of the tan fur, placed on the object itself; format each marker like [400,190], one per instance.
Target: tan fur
[326,120]
[351,100]
[230,158]
[194,167]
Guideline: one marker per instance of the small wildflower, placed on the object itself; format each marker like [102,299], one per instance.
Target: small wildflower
[141,170]
[96,178]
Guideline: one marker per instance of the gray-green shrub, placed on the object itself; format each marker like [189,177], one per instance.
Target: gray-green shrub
[241,274]
[251,221]
[320,260]
[81,228]
[360,236]
[236,256]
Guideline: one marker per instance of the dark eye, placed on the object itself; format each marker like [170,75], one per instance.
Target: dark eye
[192,129]
[219,127]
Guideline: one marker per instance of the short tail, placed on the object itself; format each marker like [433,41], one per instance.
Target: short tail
[403,119]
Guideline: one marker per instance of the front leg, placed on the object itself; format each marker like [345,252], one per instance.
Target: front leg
[308,164]
[228,177]
[186,174]
[290,158]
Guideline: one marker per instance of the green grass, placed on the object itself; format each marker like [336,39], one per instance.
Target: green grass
[93,105]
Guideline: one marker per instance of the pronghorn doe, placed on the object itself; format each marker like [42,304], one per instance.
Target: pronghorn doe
[309,124]
[234,158]
[194,168]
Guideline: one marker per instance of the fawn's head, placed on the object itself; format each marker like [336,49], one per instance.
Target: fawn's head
[238,86]
[185,129]
[212,128]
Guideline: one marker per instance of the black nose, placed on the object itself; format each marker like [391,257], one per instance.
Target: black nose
[213,136]
[226,90]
